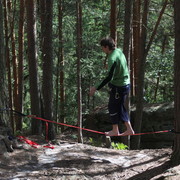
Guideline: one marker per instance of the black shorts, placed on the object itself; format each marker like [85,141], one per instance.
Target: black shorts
[116,106]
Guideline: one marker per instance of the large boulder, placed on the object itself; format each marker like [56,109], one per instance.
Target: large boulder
[8,142]
[156,117]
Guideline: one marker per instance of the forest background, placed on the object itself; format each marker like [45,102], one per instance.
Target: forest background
[50,56]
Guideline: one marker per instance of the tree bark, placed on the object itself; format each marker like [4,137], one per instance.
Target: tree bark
[79,56]
[20,64]
[32,61]
[2,69]
[135,46]
[61,60]
[8,64]
[47,87]
[14,59]
[127,48]
[141,71]
[127,30]
[175,159]
[113,20]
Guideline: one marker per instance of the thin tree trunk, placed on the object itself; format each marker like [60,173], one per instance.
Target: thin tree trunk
[20,63]
[8,63]
[113,20]
[127,30]
[127,48]
[175,158]
[79,56]
[155,28]
[157,86]
[143,55]
[56,110]
[159,73]
[135,45]
[2,69]
[32,60]
[141,72]
[61,59]
[14,57]
[47,87]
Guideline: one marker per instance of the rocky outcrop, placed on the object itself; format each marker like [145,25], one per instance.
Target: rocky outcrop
[7,141]
[156,117]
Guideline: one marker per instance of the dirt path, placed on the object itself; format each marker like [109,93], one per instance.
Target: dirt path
[73,161]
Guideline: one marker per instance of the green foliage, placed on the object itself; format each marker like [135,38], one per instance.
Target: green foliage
[95,25]
[74,136]
[159,65]
[95,142]
[119,146]
[160,68]
[18,133]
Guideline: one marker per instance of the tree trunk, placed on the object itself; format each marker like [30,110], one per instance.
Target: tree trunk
[61,60]
[8,64]
[32,60]
[175,159]
[79,56]
[20,64]
[14,59]
[113,20]
[2,69]
[135,45]
[155,28]
[127,47]
[127,30]
[141,72]
[47,87]
[143,55]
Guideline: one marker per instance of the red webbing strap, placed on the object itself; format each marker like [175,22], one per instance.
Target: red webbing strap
[42,119]
[46,120]
[49,146]
[46,131]
[157,132]
[32,143]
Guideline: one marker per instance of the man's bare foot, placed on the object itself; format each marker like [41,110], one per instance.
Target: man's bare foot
[127,133]
[112,133]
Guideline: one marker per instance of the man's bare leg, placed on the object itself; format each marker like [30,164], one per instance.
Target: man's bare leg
[114,131]
[129,129]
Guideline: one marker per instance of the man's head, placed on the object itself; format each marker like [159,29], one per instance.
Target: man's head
[107,44]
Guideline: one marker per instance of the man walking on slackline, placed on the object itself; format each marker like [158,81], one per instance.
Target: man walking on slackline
[119,83]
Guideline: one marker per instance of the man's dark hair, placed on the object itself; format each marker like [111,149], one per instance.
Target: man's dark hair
[108,41]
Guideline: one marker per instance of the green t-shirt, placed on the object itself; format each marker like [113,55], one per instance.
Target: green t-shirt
[120,76]
[121,72]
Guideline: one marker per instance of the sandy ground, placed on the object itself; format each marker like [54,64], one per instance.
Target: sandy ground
[74,161]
